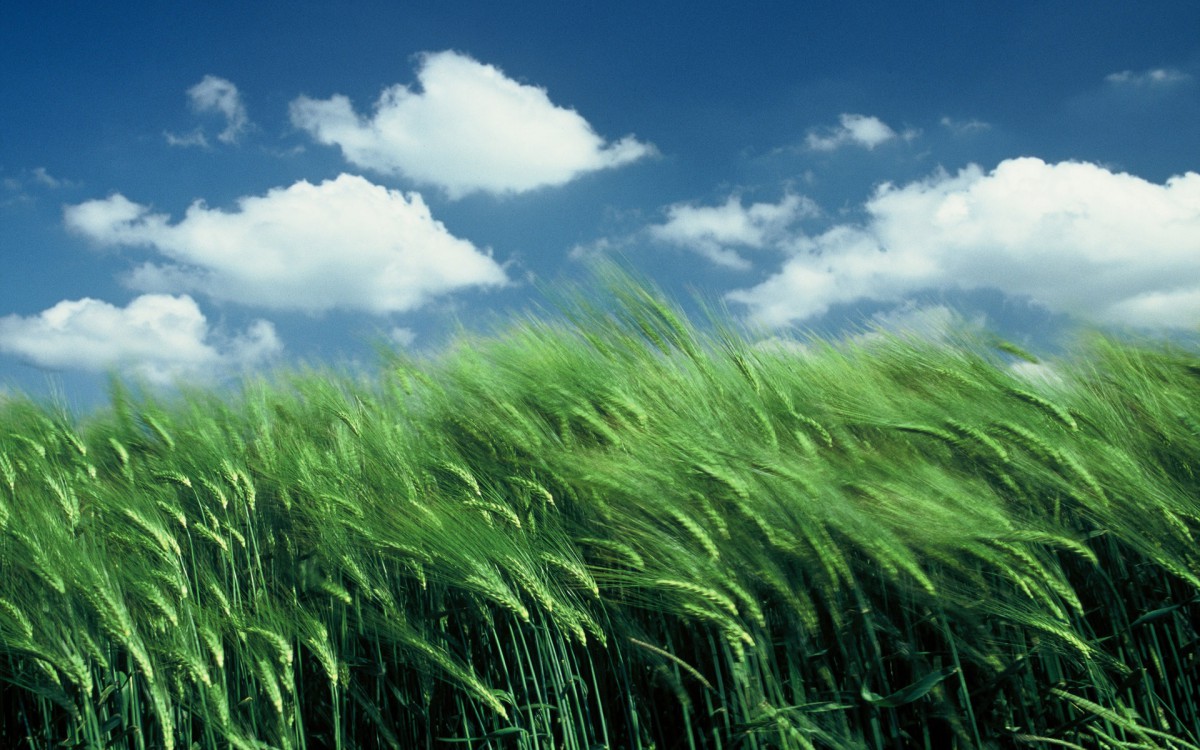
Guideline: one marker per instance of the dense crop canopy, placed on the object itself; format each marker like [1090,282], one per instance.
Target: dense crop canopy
[616,532]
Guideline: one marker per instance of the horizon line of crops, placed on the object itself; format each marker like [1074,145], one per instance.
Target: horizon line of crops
[609,529]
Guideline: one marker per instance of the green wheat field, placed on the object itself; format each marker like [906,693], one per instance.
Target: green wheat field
[610,527]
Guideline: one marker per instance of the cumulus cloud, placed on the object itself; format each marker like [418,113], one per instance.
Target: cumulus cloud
[216,96]
[160,338]
[1156,77]
[1072,237]
[716,232]
[854,130]
[345,243]
[469,128]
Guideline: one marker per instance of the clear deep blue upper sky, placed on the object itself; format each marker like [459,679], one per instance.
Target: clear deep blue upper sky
[191,190]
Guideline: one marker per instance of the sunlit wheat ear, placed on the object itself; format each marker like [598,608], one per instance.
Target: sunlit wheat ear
[1054,410]
[696,531]
[616,551]
[710,596]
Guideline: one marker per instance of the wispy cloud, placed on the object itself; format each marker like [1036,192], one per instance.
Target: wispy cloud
[194,138]
[965,127]
[47,180]
[38,177]
[403,337]
[214,95]
[345,243]
[470,128]
[929,322]
[718,232]
[1042,375]
[157,337]
[1155,77]
[1072,237]
[855,130]
[597,248]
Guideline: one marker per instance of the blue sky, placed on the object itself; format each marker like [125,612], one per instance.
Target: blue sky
[191,191]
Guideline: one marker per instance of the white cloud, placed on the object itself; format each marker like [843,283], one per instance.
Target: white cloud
[1073,237]
[216,96]
[1156,77]
[714,231]
[194,138]
[965,127]
[470,128]
[45,179]
[403,337]
[782,345]
[345,243]
[1039,374]
[157,337]
[38,178]
[114,221]
[854,130]
[930,322]
[587,251]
